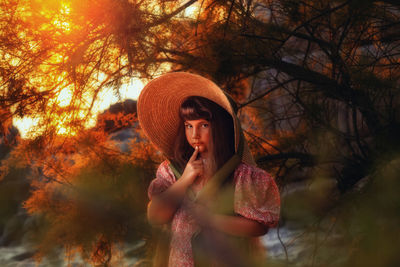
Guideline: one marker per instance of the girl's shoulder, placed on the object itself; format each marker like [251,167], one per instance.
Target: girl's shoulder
[163,165]
[252,176]
[256,195]
[244,169]
[164,179]
[164,170]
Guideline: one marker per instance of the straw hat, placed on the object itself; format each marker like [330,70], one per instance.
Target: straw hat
[159,103]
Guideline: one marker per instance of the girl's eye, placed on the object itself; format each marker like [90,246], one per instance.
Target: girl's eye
[204,125]
[188,126]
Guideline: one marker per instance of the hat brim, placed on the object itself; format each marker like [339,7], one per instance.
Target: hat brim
[159,103]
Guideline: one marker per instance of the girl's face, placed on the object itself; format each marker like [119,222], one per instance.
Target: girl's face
[198,133]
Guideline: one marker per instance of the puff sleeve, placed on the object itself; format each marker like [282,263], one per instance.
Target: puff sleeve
[164,179]
[256,195]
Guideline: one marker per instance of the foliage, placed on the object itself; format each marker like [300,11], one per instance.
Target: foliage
[373,221]
[88,196]
[95,212]
[362,228]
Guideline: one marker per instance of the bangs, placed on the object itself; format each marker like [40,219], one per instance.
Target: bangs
[192,109]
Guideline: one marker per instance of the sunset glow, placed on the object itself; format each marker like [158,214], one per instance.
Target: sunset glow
[192,11]
[65,105]
[64,97]
[28,126]
[61,21]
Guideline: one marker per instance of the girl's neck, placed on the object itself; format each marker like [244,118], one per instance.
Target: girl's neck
[209,165]
[204,155]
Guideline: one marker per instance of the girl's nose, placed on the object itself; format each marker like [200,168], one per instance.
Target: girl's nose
[195,133]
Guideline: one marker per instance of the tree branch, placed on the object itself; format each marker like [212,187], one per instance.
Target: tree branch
[171,15]
[307,159]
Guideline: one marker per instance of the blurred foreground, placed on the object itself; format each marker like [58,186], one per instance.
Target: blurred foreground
[361,230]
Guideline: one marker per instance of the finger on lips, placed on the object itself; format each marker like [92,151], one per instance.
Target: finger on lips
[194,155]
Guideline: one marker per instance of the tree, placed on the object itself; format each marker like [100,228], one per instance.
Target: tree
[57,57]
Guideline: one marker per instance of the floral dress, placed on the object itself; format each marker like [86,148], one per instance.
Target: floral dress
[255,195]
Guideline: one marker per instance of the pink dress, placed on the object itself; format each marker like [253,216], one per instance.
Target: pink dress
[256,197]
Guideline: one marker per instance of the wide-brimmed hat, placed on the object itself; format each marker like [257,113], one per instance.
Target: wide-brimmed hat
[160,101]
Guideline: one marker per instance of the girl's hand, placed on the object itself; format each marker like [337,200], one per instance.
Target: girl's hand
[194,168]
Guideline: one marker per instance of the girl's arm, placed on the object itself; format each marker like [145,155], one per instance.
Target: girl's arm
[237,225]
[229,224]
[162,207]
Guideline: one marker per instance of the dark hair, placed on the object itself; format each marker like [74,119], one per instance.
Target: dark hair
[222,130]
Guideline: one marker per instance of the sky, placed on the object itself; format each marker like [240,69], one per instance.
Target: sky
[107,97]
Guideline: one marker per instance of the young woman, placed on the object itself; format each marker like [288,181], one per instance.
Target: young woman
[209,190]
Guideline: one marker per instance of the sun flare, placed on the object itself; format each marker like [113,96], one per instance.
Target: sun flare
[62,21]
[26,126]
[192,11]
[64,97]
[68,76]
[29,128]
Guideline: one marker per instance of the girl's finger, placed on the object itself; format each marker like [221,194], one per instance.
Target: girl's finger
[197,162]
[194,155]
